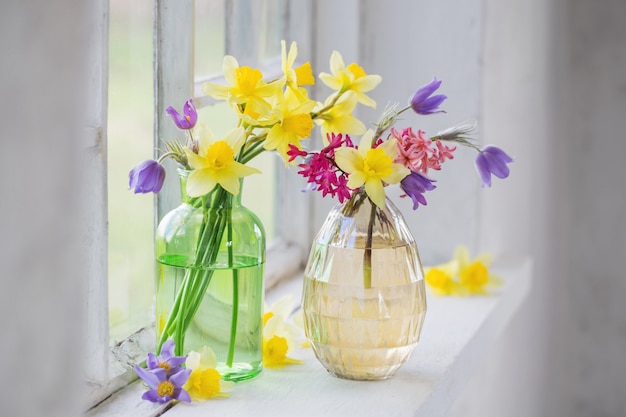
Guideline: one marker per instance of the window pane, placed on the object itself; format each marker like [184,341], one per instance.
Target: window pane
[271,28]
[131,223]
[209,37]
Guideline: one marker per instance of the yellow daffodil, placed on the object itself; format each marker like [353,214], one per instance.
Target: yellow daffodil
[215,164]
[302,75]
[339,118]
[246,87]
[205,381]
[278,335]
[462,275]
[350,79]
[441,280]
[373,167]
[293,123]
[474,275]
[284,308]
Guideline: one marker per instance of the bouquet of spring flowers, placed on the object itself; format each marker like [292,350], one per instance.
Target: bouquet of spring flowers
[272,115]
[387,156]
[277,116]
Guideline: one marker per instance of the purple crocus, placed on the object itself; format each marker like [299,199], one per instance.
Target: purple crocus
[164,388]
[423,102]
[492,160]
[189,117]
[166,359]
[147,176]
[415,185]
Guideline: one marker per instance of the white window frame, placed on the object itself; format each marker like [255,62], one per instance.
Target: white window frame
[324,42]
[107,368]
[96,331]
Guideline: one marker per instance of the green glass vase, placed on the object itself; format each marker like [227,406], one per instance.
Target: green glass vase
[363,295]
[210,254]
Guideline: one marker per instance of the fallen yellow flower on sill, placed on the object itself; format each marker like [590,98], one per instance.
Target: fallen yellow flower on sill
[205,381]
[275,353]
[462,276]
[278,335]
[442,282]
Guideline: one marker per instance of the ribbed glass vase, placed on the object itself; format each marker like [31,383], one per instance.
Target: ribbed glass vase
[363,296]
[210,255]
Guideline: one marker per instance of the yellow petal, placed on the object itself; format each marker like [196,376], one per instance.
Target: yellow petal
[349,126]
[229,66]
[293,53]
[367,83]
[274,138]
[228,178]
[349,160]
[268,90]
[332,82]
[345,104]
[200,182]
[193,360]
[390,147]
[398,172]
[241,170]
[267,316]
[235,138]
[375,191]
[336,63]
[356,180]
[230,183]
[195,160]
[218,91]
[364,100]
[204,136]
[283,306]
[207,358]
[257,105]
[366,142]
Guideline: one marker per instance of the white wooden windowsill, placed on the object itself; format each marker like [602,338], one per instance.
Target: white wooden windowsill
[457,333]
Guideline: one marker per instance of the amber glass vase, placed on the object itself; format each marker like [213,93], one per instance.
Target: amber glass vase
[363,296]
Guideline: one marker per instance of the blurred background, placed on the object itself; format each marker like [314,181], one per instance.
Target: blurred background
[546,80]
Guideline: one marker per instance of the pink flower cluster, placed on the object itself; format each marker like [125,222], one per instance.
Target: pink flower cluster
[320,169]
[418,153]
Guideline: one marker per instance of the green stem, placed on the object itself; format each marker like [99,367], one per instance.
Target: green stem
[197,279]
[233,324]
[179,334]
[216,223]
[252,152]
[367,256]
